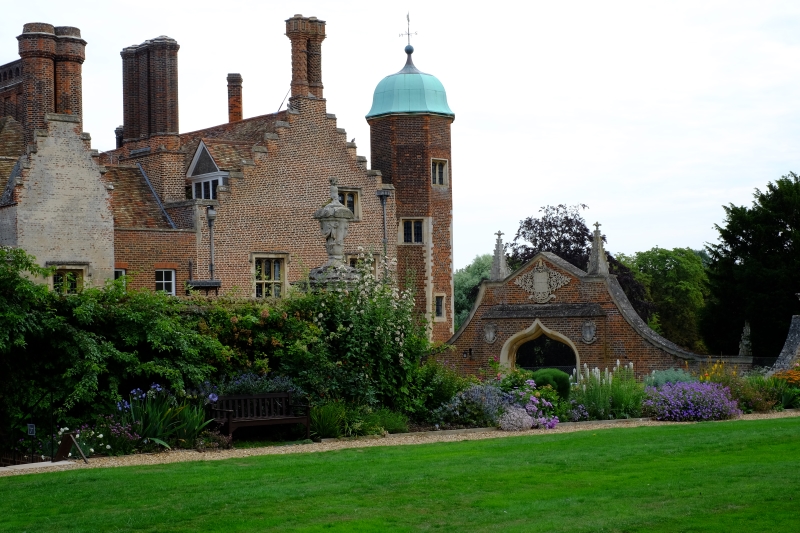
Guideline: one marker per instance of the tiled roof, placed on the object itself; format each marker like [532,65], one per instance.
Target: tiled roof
[133,202]
[12,138]
[249,129]
[228,155]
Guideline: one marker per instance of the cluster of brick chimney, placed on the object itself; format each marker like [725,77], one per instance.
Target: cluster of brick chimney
[46,78]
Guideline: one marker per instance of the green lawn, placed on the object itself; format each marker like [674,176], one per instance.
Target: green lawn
[732,476]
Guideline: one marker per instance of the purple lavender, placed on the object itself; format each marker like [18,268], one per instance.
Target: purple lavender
[681,402]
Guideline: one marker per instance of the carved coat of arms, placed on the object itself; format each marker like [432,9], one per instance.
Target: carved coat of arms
[589,332]
[541,282]
[490,333]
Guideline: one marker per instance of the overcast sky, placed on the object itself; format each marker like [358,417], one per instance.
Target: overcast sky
[655,114]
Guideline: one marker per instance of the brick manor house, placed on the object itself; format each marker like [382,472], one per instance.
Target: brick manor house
[142,208]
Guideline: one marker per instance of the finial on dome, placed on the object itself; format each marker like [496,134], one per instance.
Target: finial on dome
[409,49]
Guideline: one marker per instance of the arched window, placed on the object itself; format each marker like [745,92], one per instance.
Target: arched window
[17,72]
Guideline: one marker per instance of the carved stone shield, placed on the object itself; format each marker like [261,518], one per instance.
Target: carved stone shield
[490,333]
[589,332]
[541,282]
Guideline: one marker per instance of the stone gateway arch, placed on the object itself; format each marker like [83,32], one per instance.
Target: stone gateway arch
[585,311]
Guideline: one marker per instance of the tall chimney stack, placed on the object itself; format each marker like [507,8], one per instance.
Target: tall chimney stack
[306,35]
[37,48]
[69,57]
[235,112]
[150,88]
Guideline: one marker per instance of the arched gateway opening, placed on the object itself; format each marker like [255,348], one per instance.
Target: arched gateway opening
[539,347]
[544,352]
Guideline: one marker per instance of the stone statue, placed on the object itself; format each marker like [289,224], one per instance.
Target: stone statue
[745,346]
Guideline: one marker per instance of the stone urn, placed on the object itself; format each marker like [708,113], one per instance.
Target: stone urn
[334,223]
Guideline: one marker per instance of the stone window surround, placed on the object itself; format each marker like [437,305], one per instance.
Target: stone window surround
[357,208]
[425,231]
[270,255]
[81,266]
[443,316]
[446,173]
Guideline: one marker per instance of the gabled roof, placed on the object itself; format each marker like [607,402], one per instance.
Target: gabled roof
[615,291]
[133,203]
[213,155]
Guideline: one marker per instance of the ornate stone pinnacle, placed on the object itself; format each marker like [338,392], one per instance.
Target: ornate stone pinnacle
[499,267]
[598,263]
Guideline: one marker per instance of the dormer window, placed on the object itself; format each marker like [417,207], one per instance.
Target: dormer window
[206,189]
[205,175]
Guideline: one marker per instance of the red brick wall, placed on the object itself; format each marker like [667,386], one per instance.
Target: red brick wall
[270,208]
[141,251]
[616,338]
[402,149]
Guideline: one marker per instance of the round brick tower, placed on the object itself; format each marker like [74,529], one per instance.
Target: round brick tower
[410,144]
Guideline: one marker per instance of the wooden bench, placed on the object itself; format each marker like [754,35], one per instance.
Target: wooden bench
[267,409]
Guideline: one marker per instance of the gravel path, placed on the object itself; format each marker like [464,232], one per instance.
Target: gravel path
[177,456]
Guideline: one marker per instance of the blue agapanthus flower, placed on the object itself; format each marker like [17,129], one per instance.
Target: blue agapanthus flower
[213,397]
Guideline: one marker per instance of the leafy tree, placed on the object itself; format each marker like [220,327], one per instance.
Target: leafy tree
[465,285]
[753,272]
[562,230]
[677,283]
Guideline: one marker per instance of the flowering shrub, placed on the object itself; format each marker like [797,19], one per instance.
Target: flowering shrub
[478,405]
[371,341]
[540,404]
[752,392]
[515,419]
[680,402]
[121,439]
[791,376]
[577,412]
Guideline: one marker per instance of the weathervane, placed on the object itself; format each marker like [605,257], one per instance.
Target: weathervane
[408,30]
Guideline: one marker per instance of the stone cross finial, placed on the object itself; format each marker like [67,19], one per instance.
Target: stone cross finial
[597,226]
[499,234]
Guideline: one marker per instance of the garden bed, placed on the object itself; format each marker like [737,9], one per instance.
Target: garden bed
[179,456]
